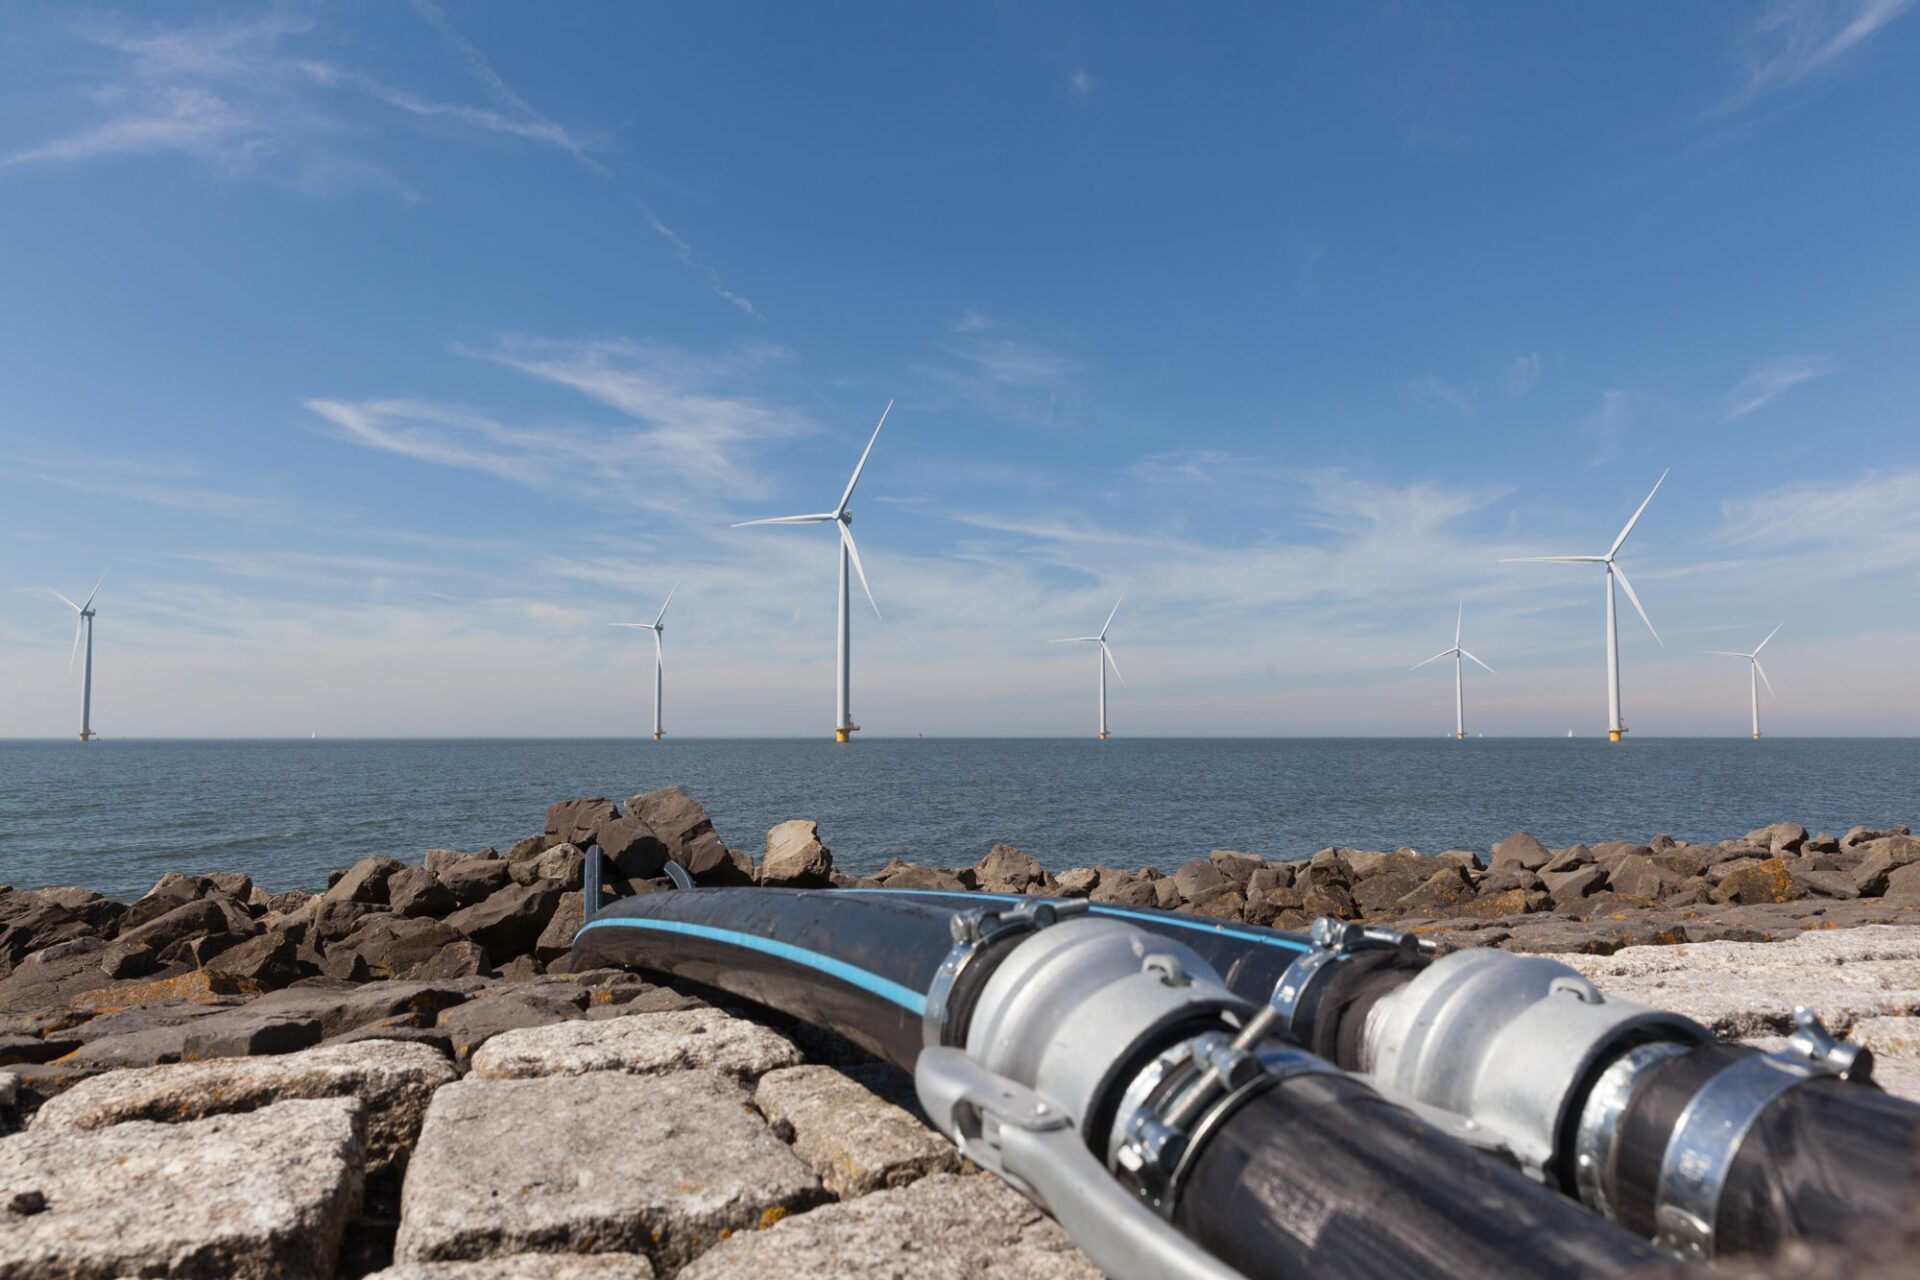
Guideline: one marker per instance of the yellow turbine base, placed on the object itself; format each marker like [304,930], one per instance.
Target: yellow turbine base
[657,735]
[1756,737]
[1461,736]
[87,737]
[843,735]
[1613,735]
[1103,735]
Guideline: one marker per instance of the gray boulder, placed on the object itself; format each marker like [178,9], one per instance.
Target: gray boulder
[262,1194]
[854,1138]
[578,821]
[471,880]
[517,1166]
[795,858]
[686,830]
[365,881]
[393,1081]
[639,1044]
[416,891]
[944,1227]
[510,922]
[1006,869]
[1522,849]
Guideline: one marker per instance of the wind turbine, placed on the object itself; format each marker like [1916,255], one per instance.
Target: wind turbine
[83,622]
[843,725]
[1615,726]
[1105,660]
[1457,653]
[1755,674]
[658,626]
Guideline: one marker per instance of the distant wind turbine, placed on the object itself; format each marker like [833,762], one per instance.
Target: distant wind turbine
[658,626]
[843,725]
[1755,674]
[1615,726]
[1104,661]
[83,622]
[1457,653]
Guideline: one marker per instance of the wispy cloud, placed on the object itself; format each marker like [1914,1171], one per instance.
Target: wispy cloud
[1791,41]
[1436,394]
[170,485]
[1769,380]
[1006,372]
[239,97]
[690,422]
[1521,375]
[1082,83]
[522,110]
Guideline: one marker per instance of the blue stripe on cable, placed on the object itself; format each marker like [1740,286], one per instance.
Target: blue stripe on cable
[1167,918]
[906,997]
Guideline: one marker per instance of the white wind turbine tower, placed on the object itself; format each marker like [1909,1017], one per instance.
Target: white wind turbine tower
[1457,653]
[843,725]
[1104,661]
[1755,674]
[1615,726]
[83,622]
[658,626]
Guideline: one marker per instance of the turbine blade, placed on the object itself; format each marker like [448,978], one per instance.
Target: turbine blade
[1116,609]
[860,466]
[1621,574]
[1553,560]
[669,600]
[79,624]
[95,591]
[1444,653]
[1770,635]
[1077,640]
[63,600]
[1728,653]
[1470,658]
[1110,662]
[1763,676]
[1459,618]
[1612,550]
[637,626]
[817,519]
[853,553]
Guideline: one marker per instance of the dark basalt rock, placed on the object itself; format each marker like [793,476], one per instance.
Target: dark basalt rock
[680,823]
[510,922]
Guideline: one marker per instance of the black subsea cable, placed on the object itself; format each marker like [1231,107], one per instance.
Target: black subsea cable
[859,966]
[1368,1189]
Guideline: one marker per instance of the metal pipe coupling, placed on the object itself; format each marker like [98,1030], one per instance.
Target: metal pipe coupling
[1511,1045]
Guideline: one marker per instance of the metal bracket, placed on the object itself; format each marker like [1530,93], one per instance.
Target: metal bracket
[972,930]
[1296,997]
[1716,1121]
[1011,1131]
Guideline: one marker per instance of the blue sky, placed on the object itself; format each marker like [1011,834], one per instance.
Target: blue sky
[387,352]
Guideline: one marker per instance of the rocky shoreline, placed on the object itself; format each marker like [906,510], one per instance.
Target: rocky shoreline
[401,1070]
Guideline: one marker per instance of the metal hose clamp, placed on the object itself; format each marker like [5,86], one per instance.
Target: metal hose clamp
[1296,997]
[1174,1105]
[1707,1139]
[971,931]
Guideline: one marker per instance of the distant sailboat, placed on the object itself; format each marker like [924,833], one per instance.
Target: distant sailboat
[1569,733]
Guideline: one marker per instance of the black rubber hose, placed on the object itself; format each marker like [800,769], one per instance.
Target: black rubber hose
[1248,958]
[1320,1176]
[860,966]
[1823,1160]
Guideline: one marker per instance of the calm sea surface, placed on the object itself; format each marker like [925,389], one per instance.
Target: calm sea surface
[115,815]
